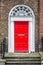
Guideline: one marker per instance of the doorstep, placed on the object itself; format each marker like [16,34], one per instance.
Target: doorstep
[22,54]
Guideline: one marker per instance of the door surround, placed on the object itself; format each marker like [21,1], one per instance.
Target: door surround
[29,16]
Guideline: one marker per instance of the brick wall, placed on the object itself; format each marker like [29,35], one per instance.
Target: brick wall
[6,6]
[41,23]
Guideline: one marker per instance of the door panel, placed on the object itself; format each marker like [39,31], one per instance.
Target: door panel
[21,36]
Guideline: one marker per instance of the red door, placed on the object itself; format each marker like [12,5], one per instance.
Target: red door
[21,36]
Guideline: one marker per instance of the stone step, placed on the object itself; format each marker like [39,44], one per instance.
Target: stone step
[14,55]
[23,64]
[22,58]
[29,62]
[25,59]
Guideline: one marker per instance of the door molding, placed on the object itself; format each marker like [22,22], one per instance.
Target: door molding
[26,16]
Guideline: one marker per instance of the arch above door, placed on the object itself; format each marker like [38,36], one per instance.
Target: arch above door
[21,13]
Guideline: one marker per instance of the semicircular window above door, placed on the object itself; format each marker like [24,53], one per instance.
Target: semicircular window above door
[21,29]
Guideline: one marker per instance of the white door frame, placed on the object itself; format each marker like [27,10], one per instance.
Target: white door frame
[31,21]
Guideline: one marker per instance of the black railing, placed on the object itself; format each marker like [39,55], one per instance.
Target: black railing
[4,47]
[42,42]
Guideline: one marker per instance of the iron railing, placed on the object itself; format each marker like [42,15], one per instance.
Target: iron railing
[3,47]
[42,42]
